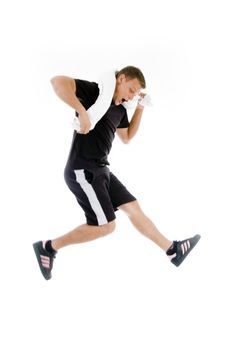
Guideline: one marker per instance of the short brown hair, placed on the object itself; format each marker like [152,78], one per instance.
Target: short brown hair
[133,73]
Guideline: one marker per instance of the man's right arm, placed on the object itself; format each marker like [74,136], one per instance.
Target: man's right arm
[65,88]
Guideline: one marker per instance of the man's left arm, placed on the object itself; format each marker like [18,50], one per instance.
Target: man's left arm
[126,134]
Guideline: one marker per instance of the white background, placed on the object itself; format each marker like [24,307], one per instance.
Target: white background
[119,292]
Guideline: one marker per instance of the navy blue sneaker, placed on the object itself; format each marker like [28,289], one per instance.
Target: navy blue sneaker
[45,259]
[180,249]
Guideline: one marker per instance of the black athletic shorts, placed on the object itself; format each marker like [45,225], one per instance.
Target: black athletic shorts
[98,192]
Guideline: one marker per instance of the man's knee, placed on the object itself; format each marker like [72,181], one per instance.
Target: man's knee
[131,209]
[109,227]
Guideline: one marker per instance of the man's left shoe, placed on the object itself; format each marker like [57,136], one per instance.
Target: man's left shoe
[180,249]
[45,259]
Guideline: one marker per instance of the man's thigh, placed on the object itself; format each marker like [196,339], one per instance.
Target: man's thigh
[118,193]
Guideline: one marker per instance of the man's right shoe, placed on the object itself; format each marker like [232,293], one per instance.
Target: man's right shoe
[180,249]
[45,259]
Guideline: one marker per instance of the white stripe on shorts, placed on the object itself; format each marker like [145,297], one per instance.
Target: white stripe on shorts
[91,195]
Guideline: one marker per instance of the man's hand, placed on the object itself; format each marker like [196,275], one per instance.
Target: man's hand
[144,100]
[142,95]
[138,102]
[85,123]
[140,98]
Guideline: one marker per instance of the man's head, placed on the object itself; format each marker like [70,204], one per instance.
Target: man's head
[129,82]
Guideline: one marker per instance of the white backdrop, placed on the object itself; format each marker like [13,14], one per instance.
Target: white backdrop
[119,292]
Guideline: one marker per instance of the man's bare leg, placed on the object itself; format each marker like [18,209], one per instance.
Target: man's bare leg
[81,234]
[144,225]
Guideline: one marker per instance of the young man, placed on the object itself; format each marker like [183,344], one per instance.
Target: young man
[87,174]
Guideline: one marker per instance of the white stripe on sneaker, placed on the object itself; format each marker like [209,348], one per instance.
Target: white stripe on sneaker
[45,261]
[185,247]
[182,247]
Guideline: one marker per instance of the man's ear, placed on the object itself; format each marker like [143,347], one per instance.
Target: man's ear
[121,78]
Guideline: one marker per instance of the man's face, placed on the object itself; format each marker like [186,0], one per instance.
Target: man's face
[126,89]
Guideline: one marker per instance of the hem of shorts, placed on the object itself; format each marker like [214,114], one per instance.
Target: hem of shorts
[97,224]
[124,202]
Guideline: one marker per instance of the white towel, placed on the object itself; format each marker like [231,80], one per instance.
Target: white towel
[106,84]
